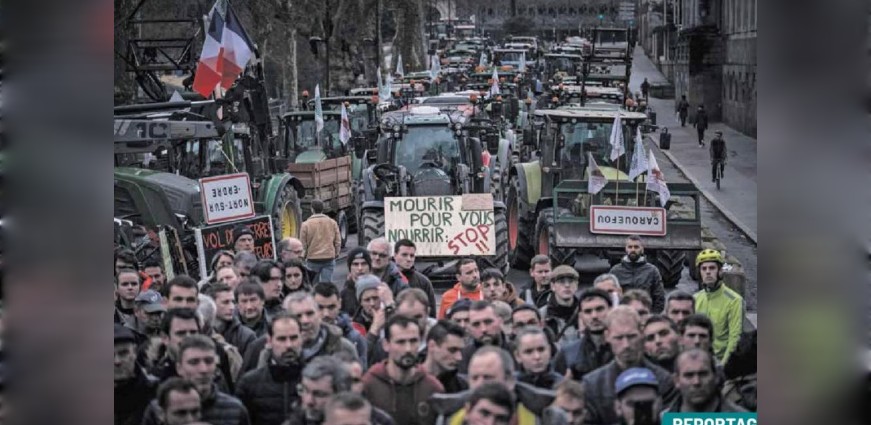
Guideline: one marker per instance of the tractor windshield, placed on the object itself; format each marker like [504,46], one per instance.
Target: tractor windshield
[427,144]
[584,137]
[304,136]
[508,56]
[564,64]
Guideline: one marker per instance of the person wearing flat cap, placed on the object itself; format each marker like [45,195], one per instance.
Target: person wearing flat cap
[134,388]
[559,313]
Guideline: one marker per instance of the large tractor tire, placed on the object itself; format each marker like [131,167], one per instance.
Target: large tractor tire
[496,184]
[500,260]
[545,240]
[670,265]
[690,262]
[286,213]
[344,225]
[372,222]
[520,249]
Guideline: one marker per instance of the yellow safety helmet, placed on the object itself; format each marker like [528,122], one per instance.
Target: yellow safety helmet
[709,255]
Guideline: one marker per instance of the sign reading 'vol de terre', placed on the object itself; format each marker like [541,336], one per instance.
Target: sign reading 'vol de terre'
[443,225]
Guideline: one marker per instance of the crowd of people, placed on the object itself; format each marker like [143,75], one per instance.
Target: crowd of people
[271,342]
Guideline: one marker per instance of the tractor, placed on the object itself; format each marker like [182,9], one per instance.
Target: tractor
[550,209]
[425,152]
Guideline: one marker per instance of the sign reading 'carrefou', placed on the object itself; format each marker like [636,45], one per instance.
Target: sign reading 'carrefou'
[443,225]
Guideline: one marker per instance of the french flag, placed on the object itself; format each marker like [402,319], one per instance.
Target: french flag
[237,49]
[211,65]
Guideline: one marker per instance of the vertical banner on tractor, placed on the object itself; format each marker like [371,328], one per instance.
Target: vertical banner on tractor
[443,226]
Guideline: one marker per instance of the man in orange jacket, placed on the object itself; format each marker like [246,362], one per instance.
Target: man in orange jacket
[468,285]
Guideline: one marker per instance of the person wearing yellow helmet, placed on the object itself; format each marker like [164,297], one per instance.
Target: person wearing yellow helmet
[721,304]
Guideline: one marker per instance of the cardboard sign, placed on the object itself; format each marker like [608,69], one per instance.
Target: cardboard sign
[226,198]
[613,220]
[441,226]
[212,239]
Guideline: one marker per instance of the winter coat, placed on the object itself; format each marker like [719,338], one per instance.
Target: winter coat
[259,327]
[641,275]
[453,382]
[238,335]
[218,409]
[547,379]
[600,393]
[582,357]
[321,238]
[723,406]
[343,322]
[348,298]
[333,343]
[701,120]
[394,278]
[416,279]
[531,402]
[132,397]
[725,308]
[406,403]
[269,393]
[454,294]
[473,346]
[557,317]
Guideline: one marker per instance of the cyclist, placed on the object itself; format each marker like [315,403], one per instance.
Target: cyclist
[718,155]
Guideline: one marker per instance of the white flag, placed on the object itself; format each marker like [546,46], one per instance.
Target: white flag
[345,127]
[483,60]
[596,180]
[522,67]
[639,157]
[434,66]
[494,88]
[388,87]
[399,69]
[616,140]
[319,112]
[656,180]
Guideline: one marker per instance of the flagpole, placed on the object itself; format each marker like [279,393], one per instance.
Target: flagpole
[617,198]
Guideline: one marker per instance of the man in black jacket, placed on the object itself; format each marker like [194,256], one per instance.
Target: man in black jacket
[701,124]
[718,154]
[634,272]
[250,300]
[269,392]
[359,264]
[623,333]
[133,387]
[591,351]
[404,253]
[227,323]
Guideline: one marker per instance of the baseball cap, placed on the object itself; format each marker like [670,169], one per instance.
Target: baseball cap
[123,334]
[463,304]
[633,377]
[150,300]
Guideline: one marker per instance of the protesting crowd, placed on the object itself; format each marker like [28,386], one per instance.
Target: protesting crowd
[271,342]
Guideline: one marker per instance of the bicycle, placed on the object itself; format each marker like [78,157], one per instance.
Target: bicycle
[718,171]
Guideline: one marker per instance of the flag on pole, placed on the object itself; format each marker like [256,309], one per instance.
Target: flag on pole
[483,60]
[616,140]
[596,180]
[639,157]
[210,67]
[237,48]
[319,112]
[522,67]
[399,69]
[382,97]
[494,88]
[434,66]
[656,180]
[345,127]
[388,87]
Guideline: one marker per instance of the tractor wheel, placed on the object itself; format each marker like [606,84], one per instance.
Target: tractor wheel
[500,260]
[545,240]
[372,222]
[342,221]
[286,213]
[496,185]
[690,262]
[520,249]
[670,265]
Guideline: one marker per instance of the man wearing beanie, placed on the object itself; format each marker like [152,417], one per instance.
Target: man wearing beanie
[359,264]
[134,388]
[369,303]
[243,239]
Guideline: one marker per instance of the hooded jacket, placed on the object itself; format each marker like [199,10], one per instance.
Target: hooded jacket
[641,275]
[269,392]
[600,392]
[132,397]
[455,293]
[406,403]
[217,409]
[582,357]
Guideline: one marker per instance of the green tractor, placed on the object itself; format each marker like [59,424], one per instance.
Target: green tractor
[425,152]
[186,139]
[551,212]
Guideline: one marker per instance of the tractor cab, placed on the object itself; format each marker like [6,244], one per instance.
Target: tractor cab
[561,64]
[301,142]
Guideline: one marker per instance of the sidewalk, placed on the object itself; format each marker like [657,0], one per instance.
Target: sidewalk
[737,198]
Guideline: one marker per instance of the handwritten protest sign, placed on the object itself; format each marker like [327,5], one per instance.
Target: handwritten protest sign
[211,239]
[443,225]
